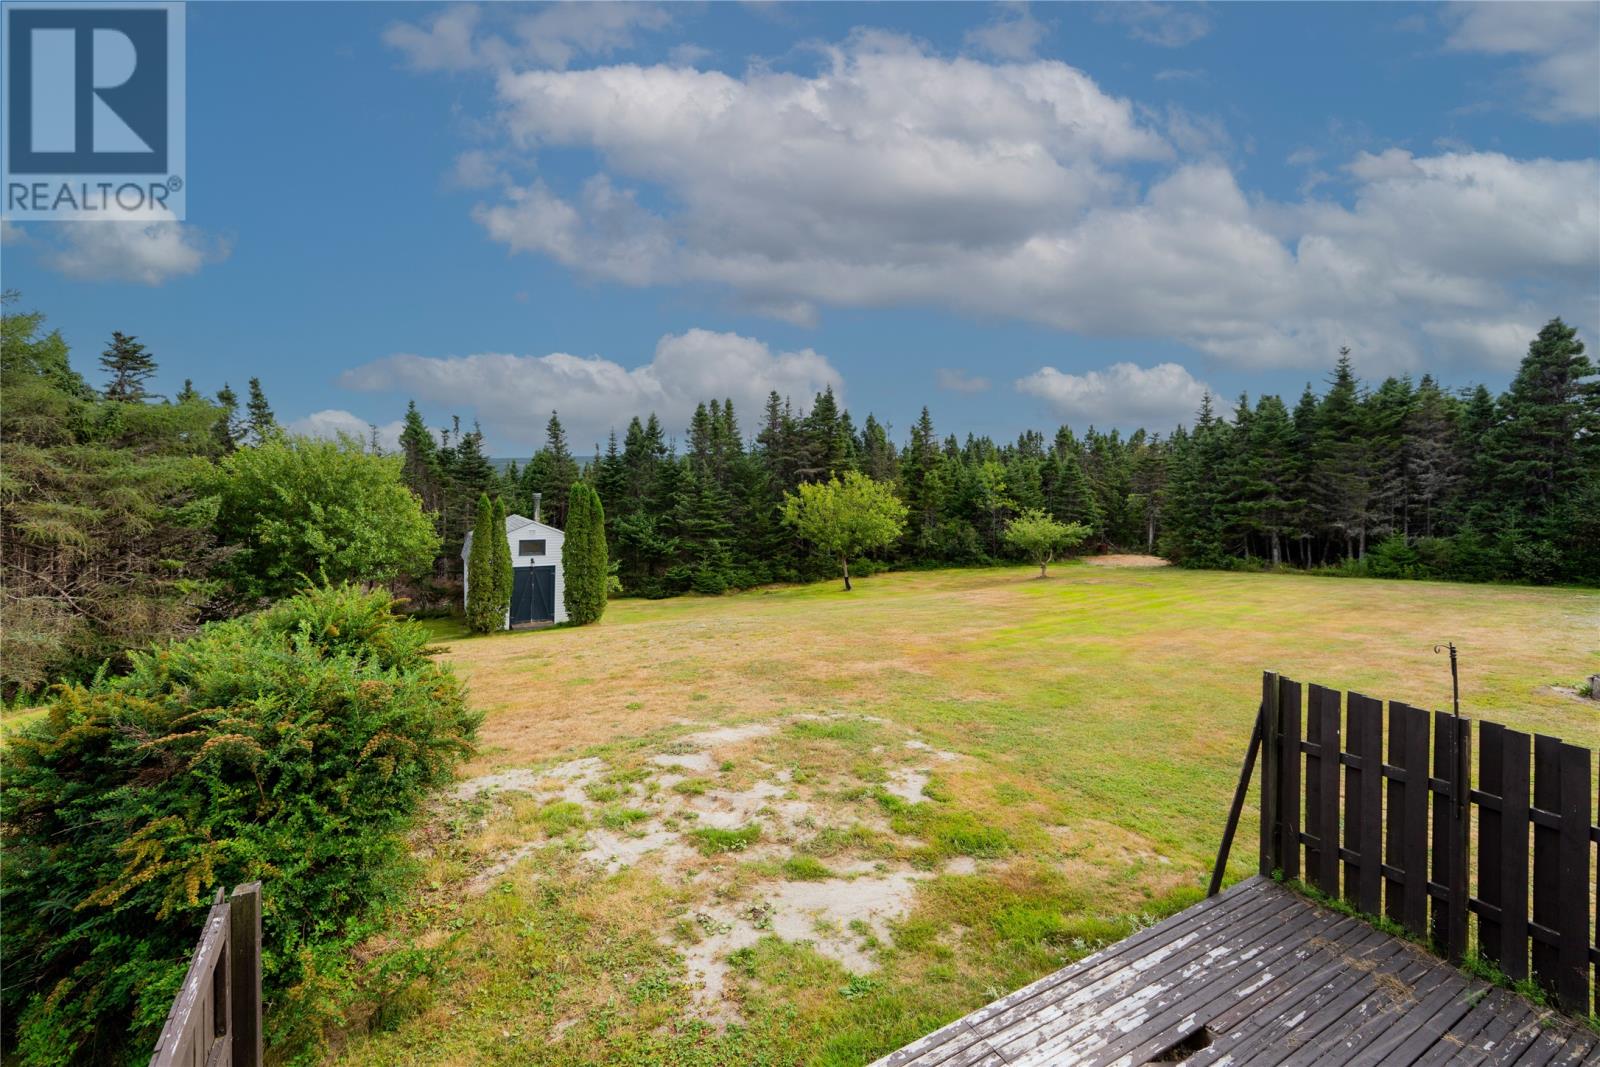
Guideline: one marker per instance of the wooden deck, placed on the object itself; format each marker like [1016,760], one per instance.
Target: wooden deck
[1258,975]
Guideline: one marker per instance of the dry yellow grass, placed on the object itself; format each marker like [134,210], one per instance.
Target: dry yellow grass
[1099,715]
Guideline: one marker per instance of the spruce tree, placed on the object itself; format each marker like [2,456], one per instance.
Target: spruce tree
[259,420]
[583,556]
[1546,451]
[551,472]
[419,460]
[129,366]
[225,430]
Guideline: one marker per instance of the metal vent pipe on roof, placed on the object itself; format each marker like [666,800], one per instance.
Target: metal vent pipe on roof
[536,498]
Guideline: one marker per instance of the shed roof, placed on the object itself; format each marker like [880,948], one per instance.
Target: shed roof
[515,524]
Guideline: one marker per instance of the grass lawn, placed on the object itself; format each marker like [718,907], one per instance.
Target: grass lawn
[803,826]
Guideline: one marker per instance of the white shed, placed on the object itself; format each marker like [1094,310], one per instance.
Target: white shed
[537,586]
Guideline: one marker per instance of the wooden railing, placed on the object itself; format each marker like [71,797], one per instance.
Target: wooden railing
[215,1019]
[1377,807]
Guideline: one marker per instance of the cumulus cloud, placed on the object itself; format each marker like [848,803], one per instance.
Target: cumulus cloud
[150,248]
[332,423]
[513,395]
[1124,394]
[1560,40]
[462,37]
[1011,33]
[959,381]
[895,176]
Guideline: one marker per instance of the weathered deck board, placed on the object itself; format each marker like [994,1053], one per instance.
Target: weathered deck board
[1256,976]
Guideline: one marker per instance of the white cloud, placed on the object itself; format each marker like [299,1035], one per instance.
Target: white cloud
[1492,343]
[893,176]
[1124,394]
[149,249]
[334,422]
[1561,41]
[1167,25]
[513,395]
[461,37]
[1011,33]
[959,381]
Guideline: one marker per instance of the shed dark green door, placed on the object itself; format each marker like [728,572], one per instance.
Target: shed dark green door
[533,595]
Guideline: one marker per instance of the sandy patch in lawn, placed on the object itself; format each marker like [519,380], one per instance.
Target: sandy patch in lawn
[907,783]
[1125,560]
[734,898]
[567,779]
[822,913]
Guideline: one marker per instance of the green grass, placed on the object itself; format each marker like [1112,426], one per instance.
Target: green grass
[1100,715]
[711,841]
[802,867]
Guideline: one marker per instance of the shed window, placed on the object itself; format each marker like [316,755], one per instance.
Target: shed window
[531,548]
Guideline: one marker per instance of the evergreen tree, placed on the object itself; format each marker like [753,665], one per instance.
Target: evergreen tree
[485,614]
[551,473]
[504,576]
[129,366]
[583,556]
[1342,477]
[419,459]
[1432,457]
[1546,451]
[226,431]
[259,420]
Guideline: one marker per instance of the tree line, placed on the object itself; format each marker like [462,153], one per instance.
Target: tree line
[128,518]
[1399,479]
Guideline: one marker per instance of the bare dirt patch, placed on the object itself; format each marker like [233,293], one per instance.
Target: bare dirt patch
[1125,560]
[719,814]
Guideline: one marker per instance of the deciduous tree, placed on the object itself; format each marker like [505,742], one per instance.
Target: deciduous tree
[845,517]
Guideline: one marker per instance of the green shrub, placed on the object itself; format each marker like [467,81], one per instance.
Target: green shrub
[1395,558]
[293,746]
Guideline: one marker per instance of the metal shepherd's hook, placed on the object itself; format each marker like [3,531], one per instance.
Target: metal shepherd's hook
[1455,703]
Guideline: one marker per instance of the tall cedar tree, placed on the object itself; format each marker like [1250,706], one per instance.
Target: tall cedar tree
[504,575]
[586,570]
[485,614]
[129,366]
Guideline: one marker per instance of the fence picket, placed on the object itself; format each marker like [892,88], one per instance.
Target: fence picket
[1546,853]
[1289,806]
[1572,893]
[1325,707]
[1366,742]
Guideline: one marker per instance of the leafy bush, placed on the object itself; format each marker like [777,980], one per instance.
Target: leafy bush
[292,746]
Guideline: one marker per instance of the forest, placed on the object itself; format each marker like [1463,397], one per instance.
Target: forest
[129,517]
[1402,479]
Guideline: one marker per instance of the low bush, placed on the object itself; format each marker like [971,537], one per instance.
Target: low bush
[294,746]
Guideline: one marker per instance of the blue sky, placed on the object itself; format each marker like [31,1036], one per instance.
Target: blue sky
[1020,216]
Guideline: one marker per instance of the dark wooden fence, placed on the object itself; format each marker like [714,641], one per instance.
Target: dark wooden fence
[1377,806]
[215,1020]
